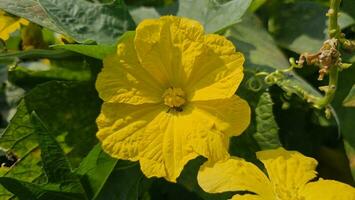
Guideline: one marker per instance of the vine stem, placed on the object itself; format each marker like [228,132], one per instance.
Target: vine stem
[334,32]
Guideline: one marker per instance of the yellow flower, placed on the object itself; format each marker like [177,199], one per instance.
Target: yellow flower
[9,24]
[290,176]
[169,96]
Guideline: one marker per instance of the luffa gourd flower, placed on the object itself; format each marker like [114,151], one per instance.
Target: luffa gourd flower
[169,96]
[290,176]
[9,24]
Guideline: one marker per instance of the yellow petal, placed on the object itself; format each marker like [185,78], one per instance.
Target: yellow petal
[162,45]
[174,138]
[234,174]
[9,25]
[165,149]
[248,197]
[121,126]
[288,171]
[218,72]
[328,190]
[123,80]
[230,116]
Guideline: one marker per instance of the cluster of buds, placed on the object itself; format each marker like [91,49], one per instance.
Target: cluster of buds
[328,56]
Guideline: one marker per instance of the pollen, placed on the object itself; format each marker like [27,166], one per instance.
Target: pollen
[174,97]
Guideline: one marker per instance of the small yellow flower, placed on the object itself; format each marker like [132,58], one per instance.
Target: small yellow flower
[289,177]
[9,24]
[169,96]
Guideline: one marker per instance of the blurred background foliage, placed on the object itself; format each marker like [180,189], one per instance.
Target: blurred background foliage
[48,92]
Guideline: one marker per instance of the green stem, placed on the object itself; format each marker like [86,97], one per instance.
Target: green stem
[333,28]
[329,95]
[334,32]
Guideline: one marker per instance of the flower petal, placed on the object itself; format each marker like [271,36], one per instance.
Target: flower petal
[121,126]
[218,72]
[328,190]
[234,174]
[123,80]
[173,138]
[160,44]
[288,170]
[248,197]
[9,25]
[165,149]
[231,116]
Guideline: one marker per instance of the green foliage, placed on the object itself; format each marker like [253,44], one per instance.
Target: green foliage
[50,96]
[26,8]
[215,15]
[307,36]
[349,101]
[85,21]
[266,126]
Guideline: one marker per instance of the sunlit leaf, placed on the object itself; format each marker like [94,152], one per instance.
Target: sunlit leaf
[349,101]
[266,127]
[215,15]
[85,21]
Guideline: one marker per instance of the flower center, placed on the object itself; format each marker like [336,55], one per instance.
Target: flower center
[174,97]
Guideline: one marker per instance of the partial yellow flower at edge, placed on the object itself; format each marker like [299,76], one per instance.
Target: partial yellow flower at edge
[169,96]
[289,176]
[9,25]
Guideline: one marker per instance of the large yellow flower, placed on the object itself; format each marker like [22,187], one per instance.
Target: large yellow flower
[9,24]
[290,177]
[169,96]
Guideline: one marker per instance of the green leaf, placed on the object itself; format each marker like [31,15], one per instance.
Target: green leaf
[84,20]
[26,9]
[95,51]
[267,129]
[346,115]
[29,191]
[256,4]
[95,170]
[350,99]
[105,177]
[72,118]
[262,54]
[30,73]
[55,164]
[215,15]
[36,53]
[291,26]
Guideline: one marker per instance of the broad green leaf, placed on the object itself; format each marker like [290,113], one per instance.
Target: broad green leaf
[262,54]
[95,170]
[68,108]
[85,21]
[350,99]
[267,129]
[349,7]
[105,177]
[36,53]
[55,164]
[215,15]
[126,182]
[26,9]
[95,51]
[73,118]
[256,4]
[301,27]
[345,115]
[30,191]
[30,73]
[19,139]
[62,183]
